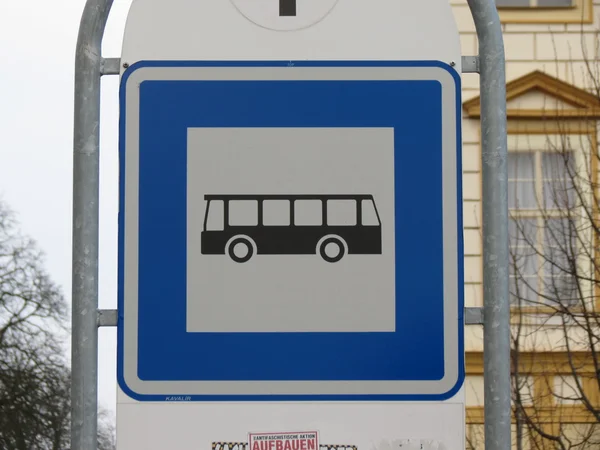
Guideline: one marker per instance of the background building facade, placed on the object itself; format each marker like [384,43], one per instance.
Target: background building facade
[553,86]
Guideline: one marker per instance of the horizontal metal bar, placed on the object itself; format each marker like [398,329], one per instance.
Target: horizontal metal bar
[473,316]
[110,66]
[107,317]
[470,64]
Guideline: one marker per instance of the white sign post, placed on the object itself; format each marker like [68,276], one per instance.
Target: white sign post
[290,251]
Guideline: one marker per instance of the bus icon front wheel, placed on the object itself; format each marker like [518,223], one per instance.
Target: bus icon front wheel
[332,249]
[240,249]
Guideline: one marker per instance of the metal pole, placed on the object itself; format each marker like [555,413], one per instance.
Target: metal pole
[496,346]
[84,353]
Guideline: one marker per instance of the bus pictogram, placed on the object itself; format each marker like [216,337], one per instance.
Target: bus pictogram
[331,226]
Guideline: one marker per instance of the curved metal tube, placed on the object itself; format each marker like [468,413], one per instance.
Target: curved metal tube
[84,352]
[496,329]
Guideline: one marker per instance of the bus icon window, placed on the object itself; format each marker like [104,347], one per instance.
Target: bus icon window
[331,226]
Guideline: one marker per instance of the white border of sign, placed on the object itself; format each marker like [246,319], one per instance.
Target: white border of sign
[133,386]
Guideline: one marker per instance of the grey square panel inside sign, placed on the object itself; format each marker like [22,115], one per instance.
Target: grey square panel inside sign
[290,292]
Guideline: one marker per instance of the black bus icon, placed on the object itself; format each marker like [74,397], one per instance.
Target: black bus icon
[327,225]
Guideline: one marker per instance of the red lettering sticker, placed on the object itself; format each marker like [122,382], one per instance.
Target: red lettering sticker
[286,440]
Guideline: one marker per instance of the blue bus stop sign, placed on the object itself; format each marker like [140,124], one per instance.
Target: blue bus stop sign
[290,231]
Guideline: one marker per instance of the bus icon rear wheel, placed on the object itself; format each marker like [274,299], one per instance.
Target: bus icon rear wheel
[240,249]
[332,249]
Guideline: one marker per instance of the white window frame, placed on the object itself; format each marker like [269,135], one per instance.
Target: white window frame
[522,143]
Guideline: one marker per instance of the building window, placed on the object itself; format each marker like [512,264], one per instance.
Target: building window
[534,3]
[545,11]
[543,227]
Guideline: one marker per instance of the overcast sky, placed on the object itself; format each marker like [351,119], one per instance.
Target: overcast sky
[37,49]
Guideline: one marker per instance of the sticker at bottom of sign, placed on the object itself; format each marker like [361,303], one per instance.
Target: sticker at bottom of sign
[303,440]
[309,440]
[244,446]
